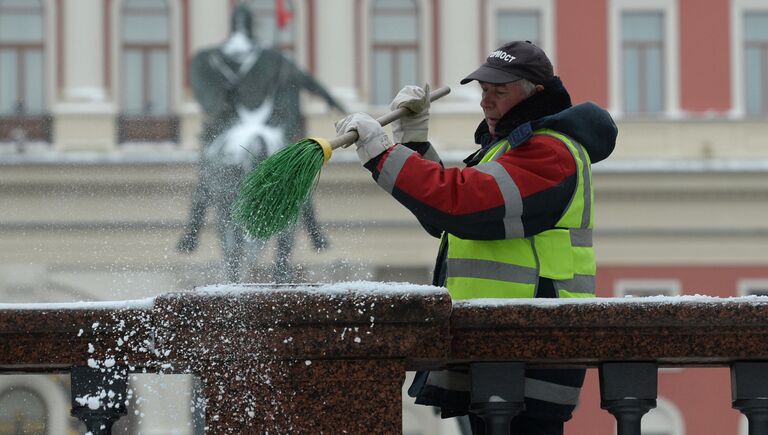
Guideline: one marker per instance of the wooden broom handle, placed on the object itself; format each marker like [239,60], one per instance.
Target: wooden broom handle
[350,137]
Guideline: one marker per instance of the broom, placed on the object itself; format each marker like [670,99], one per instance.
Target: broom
[272,194]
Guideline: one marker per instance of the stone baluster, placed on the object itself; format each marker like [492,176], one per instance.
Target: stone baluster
[749,392]
[99,397]
[497,394]
[628,391]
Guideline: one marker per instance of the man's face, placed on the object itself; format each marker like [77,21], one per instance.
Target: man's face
[498,99]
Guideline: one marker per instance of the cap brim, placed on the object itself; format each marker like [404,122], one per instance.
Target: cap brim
[490,74]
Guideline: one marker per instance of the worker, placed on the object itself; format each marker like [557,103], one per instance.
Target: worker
[516,222]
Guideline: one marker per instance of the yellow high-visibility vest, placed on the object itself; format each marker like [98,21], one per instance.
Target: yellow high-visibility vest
[510,268]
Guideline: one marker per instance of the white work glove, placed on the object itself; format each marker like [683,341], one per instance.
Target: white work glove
[413,127]
[372,140]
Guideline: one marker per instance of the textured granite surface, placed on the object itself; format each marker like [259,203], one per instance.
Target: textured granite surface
[298,360]
[293,397]
[308,359]
[52,340]
[289,323]
[669,331]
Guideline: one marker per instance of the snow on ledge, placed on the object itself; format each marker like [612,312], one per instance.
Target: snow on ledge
[545,302]
[146,303]
[368,288]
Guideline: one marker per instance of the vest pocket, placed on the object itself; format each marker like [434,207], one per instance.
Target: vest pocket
[553,248]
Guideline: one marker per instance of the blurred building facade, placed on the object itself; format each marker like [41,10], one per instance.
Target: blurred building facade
[98,151]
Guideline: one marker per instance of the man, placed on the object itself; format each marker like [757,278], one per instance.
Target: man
[250,96]
[516,222]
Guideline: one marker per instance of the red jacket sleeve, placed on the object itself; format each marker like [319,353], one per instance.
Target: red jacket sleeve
[523,192]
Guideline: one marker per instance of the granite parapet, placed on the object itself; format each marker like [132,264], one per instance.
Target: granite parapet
[669,331]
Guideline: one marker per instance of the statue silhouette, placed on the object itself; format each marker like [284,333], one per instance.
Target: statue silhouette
[250,96]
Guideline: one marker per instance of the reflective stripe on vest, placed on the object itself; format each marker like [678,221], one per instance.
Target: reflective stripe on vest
[513,202]
[511,268]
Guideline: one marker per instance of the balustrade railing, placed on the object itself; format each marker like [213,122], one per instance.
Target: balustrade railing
[332,358]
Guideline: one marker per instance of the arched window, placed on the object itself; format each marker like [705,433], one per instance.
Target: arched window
[146,72]
[395,48]
[22,66]
[22,411]
[274,24]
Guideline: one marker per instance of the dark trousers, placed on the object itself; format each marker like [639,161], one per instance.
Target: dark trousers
[522,425]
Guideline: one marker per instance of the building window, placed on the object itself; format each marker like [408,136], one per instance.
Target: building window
[146,73]
[518,25]
[644,58]
[146,57]
[274,24]
[22,77]
[753,287]
[22,411]
[21,57]
[520,20]
[642,61]
[756,62]
[646,287]
[394,48]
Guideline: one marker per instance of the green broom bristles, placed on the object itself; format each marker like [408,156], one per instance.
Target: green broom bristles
[272,195]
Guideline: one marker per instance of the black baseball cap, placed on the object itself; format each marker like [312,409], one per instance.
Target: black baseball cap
[514,61]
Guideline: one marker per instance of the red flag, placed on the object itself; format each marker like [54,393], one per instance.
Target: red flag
[282,14]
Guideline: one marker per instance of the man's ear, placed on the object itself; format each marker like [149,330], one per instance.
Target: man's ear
[539,88]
